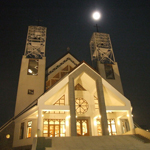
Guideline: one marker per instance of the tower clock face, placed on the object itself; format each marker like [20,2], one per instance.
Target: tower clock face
[81,106]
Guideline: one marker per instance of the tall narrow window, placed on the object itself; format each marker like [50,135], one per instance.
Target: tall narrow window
[125,125]
[96,103]
[109,71]
[33,67]
[29,127]
[21,131]
[99,130]
[111,127]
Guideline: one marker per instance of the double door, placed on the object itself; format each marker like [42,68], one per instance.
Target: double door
[54,128]
[82,127]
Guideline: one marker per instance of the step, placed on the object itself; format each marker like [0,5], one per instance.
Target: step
[118,142]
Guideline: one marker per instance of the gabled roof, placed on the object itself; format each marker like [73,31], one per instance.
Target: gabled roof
[34,103]
[65,79]
[116,95]
[60,59]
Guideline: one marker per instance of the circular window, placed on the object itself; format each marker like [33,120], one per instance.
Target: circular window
[7,136]
[81,106]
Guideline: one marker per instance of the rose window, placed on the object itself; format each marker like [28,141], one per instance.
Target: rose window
[81,106]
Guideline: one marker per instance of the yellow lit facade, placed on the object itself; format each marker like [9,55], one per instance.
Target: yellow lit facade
[73,99]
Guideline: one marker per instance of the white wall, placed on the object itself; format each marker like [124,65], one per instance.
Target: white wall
[26,82]
[25,141]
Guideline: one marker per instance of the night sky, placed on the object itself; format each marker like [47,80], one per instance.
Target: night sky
[69,24]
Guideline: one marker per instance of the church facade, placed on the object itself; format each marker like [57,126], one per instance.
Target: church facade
[69,98]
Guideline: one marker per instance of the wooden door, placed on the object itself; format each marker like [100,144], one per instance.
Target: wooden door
[82,127]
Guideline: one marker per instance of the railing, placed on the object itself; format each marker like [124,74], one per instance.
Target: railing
[6,124]
[136,125]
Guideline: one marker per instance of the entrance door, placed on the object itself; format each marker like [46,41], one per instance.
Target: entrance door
[125,125]
[82,127]
[54,130]
[111,127]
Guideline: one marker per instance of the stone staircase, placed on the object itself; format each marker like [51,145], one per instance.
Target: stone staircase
[118,142]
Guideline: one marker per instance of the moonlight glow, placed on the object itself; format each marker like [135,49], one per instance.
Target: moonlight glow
[96,15]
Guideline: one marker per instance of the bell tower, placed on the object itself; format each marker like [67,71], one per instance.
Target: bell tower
[103,59]
[32,72]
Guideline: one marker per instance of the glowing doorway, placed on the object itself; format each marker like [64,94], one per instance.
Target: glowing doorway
[82,127]
[54,128]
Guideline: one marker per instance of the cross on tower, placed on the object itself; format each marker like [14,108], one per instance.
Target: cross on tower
[97,28]
[38,21]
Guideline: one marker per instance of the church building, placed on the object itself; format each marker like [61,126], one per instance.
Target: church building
[69,98]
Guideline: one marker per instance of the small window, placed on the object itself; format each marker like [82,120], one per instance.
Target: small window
[29,127]
[33,67]
[21,131]
[31,91]
[109,71]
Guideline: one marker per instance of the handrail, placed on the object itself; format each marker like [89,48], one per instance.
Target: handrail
[6,124]
[136,125]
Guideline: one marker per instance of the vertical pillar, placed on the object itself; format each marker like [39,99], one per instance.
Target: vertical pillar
[131,122]
[39,123]
[102,107]
[118,125]
[72,107]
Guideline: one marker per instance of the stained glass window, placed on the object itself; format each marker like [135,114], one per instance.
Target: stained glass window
[111,127]
[54,128]
[60,101]
[81,106]
[96,103]
[99,130]
[29,127]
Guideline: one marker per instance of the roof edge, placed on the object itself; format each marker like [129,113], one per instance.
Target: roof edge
[61,58]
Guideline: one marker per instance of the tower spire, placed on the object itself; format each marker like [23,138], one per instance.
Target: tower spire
[103,59]
[32,72]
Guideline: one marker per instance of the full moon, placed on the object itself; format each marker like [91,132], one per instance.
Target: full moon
[96,15]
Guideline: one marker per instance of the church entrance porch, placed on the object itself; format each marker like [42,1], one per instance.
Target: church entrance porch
[82,127]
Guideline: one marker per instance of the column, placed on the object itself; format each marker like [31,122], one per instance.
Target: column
[102,107]
[72,107]
[39,123]
[131,121]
